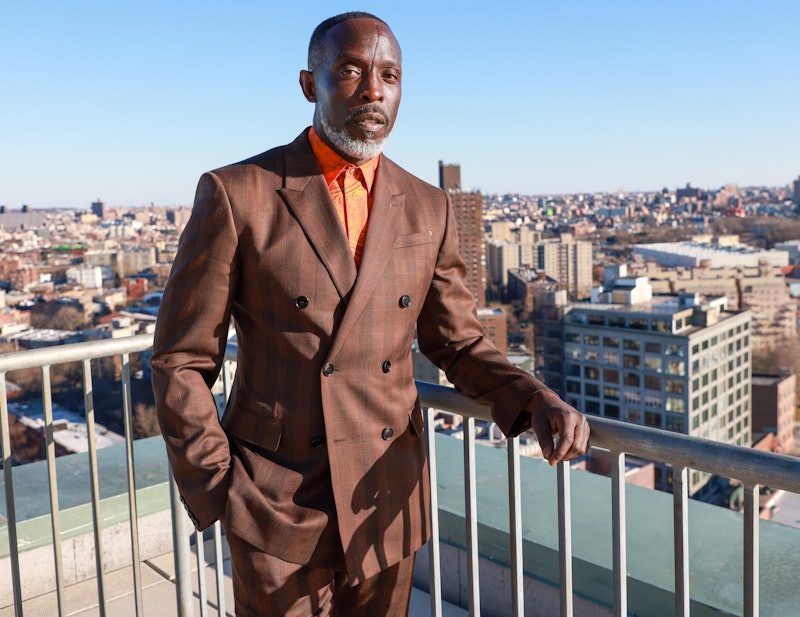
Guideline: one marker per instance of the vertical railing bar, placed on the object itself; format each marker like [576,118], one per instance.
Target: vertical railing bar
[52,484]
[11,514]
[471,499]
[680,501]
[219,569]
[227,385]
[751,550]
[515,527]
[88,397]
[618,534]
[131,467]
[201,572]
[181,551]
[565,539]
[434,558]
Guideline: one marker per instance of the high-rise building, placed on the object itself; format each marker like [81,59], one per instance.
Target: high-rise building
[99,209]
[796,191]
[468,209]
[449,177]
[569,262]
[677,363]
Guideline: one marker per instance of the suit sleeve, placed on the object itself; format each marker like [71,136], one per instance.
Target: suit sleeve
[188,351]
[451,336]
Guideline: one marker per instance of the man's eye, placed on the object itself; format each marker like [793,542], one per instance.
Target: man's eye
[349,72]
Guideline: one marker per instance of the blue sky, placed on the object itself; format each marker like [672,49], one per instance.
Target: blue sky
[130,102]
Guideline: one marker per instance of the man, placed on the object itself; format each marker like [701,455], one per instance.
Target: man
[327,255]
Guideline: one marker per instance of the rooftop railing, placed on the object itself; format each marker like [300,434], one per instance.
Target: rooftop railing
[753,468]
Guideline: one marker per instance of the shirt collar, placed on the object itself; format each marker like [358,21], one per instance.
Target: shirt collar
[332,164]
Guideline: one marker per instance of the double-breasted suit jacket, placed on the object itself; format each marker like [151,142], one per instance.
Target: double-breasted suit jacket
[320,450]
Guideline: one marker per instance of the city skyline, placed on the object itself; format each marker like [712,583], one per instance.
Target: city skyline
[132,104]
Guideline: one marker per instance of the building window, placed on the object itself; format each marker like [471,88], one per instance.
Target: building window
[592,407]
[676,423]
[673,350]
[637,324]
[591,372]
[611,374]
[675,404]
[652,382]
[652,363]
[632,379]
[675,386]
[591,339]
[610,341]
[592,389]
[634,415]
[652,348]
[611,357]
[573,370]
[652,418]
[676,367]
[612,411]
[573,386]
[611,392]
[631,344]
[630,361]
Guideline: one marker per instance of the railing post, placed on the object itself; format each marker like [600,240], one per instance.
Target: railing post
[471,499]
[8,481]
[565,538]
[434,561]
[618,534]
[180,541]
[680,497]
[515,527]
[88,398]
[751,545]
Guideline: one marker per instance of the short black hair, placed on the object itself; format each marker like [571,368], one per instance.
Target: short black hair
[316,46]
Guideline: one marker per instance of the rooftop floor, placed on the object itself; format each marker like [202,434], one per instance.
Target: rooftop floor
[159,593]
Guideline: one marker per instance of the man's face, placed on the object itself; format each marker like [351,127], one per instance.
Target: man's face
[356,88]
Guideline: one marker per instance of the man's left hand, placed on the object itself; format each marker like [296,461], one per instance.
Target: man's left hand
[562,430]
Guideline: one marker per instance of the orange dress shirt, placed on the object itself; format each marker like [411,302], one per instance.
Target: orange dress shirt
[350,187]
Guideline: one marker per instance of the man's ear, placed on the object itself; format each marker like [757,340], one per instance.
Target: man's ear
[308,86]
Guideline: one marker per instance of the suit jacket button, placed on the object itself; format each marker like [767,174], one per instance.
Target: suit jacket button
[327,370]
[317,442]
[405,301]
[387,433]
[386,366]
[301,302]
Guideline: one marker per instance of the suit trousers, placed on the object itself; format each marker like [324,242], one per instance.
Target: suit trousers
[266,586]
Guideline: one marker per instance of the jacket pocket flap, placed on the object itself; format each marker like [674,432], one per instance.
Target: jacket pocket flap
[253,427]
[423,237]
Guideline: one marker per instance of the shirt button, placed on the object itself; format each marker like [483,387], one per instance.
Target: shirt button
[387,433]
[301,302]
[327,370]
[405,301]
[386,366]
[317,443]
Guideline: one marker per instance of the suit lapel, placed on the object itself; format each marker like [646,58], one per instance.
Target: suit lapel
[306,194]
[388,202]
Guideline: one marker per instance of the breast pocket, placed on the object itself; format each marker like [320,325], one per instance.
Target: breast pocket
[415,239]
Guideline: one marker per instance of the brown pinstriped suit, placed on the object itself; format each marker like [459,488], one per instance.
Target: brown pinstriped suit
[320,451]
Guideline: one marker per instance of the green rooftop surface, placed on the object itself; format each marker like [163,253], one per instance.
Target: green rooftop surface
[715,538]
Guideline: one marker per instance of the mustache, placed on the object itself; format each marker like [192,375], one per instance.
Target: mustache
[367,109]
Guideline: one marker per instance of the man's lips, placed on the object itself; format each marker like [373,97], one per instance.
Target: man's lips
[369,119]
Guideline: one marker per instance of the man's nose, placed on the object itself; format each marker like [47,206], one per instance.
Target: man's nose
[371,87]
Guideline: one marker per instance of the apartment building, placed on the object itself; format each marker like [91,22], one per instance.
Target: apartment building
[678,363]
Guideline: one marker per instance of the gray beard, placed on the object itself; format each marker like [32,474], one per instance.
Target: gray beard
[346,144]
